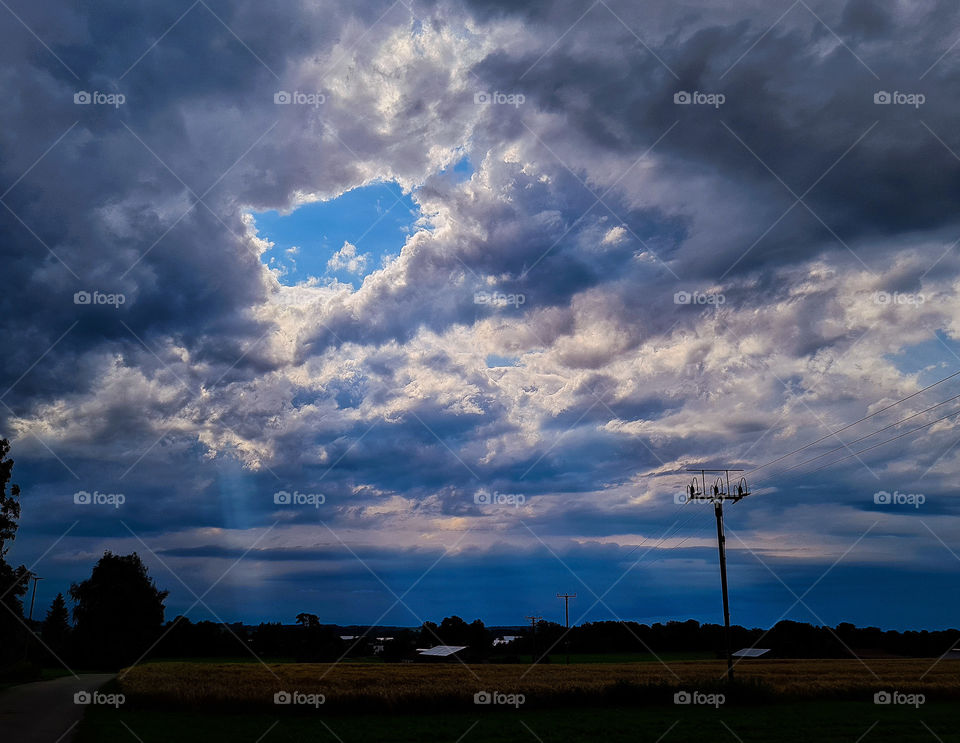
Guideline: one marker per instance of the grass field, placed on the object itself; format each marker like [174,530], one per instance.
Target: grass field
[400,687]
[823,722]
[666,657]
[829,701]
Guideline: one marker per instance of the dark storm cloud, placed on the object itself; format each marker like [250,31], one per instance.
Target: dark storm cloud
[213,386]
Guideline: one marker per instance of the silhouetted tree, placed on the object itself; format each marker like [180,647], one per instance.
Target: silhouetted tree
[118,611]
[55,631]
[13,581]
[428,636]
[454,631]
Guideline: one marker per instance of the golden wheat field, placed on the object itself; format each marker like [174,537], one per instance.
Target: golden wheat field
[395,686]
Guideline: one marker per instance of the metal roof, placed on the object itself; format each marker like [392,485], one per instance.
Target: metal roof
[443,650]
[750,652]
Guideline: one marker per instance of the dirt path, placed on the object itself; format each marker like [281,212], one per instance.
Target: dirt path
[45,711]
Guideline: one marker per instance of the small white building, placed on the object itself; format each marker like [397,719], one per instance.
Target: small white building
[750,653]
[440,652]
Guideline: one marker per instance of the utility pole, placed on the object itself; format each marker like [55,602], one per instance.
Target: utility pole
[35,579]
[533,628]
[566,617]
[721,491]
[28,645]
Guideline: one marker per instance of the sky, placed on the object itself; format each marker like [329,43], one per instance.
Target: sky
[392,311]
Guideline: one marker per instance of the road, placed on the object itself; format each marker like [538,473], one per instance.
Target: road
[44,711]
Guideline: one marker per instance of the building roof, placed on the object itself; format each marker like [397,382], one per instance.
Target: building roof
[750,652]
[442,650]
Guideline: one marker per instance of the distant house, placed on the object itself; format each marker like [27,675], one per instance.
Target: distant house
[952,654]
[440,653]
[747,653]
[380,644]
[505,640]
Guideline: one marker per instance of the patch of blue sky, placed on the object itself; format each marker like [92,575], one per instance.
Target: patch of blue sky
[934,358]
[494,360]
[343,239]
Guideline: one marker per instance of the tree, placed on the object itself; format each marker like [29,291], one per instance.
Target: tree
[308,620]
[454,631]
[55,631]
[13,581]
[118,611]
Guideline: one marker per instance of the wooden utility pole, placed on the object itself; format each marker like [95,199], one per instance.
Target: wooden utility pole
[566,618]
[720,492]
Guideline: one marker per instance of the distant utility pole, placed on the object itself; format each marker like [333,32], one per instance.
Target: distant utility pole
[35,579]
[720,492]
[533,628]
[566,617]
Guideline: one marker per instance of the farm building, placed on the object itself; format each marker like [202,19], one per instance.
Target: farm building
[747,653]
[441,653]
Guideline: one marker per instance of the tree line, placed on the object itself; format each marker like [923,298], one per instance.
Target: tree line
[117,619]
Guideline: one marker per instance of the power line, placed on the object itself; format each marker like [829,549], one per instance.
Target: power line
[671,531]
[870,435]
[907,433]
[851,425]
